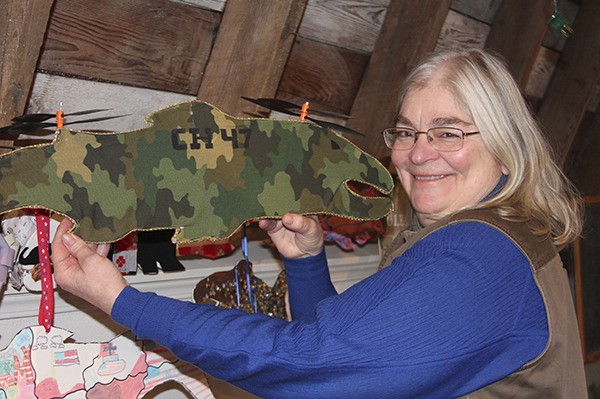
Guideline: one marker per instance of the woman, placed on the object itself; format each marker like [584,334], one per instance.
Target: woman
[472,301]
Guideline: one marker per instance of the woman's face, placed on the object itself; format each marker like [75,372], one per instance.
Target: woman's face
[442,182]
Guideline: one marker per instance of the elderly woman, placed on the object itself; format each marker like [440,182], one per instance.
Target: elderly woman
[472,299]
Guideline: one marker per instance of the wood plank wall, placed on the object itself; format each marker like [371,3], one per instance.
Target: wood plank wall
[136,56]
[21,36]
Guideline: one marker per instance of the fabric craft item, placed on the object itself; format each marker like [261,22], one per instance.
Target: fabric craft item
[154,248]
[124,254]
[345,233]
[40,364]
[46,312]
[194,169]
[20,229]
[229,290]
[211,249]
[207,249]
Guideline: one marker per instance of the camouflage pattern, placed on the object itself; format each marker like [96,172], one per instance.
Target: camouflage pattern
[195,169]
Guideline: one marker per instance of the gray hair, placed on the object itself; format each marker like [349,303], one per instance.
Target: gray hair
[536,192]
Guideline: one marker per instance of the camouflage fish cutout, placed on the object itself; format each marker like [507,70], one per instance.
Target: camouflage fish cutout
[194,169]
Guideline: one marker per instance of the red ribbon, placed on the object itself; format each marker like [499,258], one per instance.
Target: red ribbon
[46,313]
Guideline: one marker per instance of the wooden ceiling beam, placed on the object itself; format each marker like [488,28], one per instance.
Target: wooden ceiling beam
[585,162]
[574,81]
[517,32]
[157,44]
[250,52]
[410,30]
[21,37]
[326,76]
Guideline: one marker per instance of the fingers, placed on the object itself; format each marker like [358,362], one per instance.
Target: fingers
[295,235]
[77,248]
[64,226]
[59,251]
[100,249]
[267,224]
[66,244]
[300,224]
[103,249]
[293,222]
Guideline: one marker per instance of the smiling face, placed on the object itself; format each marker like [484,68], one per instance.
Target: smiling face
[439,183]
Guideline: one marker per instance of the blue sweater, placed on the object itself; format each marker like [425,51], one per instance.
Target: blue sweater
[456,312]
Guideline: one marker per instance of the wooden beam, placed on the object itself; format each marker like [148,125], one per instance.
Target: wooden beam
[461,31]
[410,30]
[350,24]
[585,162]
[482,10]
[573,84]
[326,76]
[518,29]
[157,44]
[21,37]
[250,52]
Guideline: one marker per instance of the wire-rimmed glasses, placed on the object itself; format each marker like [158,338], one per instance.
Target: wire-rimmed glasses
[440,138]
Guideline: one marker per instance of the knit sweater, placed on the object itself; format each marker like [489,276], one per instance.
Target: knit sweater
[457,311]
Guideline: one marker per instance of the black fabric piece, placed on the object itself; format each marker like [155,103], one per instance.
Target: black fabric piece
[156,246]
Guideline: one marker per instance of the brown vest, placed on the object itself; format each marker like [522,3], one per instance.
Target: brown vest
[558,371]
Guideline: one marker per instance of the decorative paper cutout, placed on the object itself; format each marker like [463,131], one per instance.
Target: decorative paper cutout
[195,169]
[41,365]
[124,254]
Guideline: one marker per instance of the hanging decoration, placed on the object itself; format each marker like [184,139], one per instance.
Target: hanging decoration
[19,230]
[46,312]
[42,221]
[559,22]
[196,170]
[154,248]
[124,254]
[40,364]
[239,288]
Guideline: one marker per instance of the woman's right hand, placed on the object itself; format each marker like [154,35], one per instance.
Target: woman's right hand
[295,236]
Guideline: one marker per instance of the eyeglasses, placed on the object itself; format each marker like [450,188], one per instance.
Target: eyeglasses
[440,138]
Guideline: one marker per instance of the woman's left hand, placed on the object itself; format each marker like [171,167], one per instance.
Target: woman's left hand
[295,236]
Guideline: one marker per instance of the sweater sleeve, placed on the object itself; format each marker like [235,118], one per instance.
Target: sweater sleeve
[451,315]
[308,283]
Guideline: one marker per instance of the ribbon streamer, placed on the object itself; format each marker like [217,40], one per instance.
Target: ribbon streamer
[46,312]
[251,294]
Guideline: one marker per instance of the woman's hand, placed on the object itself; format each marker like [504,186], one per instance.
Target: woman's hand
[84,270]
[295,236]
